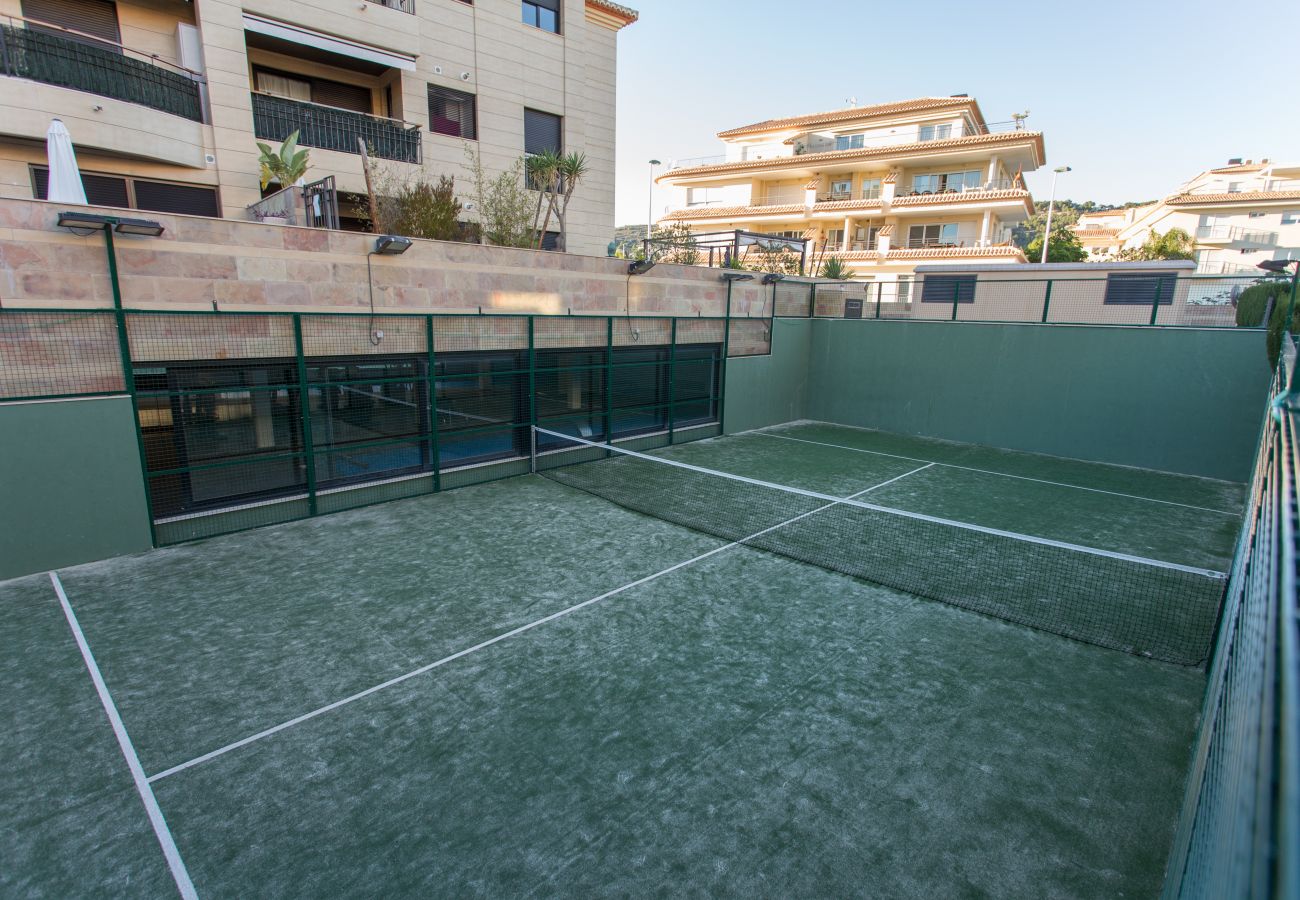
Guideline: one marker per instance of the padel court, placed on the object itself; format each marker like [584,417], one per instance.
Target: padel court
[675,673]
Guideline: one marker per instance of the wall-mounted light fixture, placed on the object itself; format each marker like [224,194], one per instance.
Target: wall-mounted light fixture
[737,276]
[144,227]
[392,244]
[772,278]
[640,267]
[92,222]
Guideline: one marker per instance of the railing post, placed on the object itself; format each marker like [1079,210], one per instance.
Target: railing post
[433,405]
[880,291]
[672,380]
[304,401]
[1155,302]
[1047,300]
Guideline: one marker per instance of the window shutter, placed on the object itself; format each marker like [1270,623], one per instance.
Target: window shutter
[943,289]
[542,131]
[101,190]
[452,112]
[93,17]
[344,96]
[176,198]
[1140,290]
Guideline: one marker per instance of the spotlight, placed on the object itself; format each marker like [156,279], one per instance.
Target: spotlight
[772,278]
[640,267]
[392,244]
[737,276]
[138,226]
[84,220]
[1269,265]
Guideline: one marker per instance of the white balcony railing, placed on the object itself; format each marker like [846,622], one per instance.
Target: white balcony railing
[1234,234]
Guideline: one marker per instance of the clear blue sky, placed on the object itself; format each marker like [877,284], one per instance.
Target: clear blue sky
[1137,96]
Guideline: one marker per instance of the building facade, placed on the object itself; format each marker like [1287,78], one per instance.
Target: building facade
[1238,215]
[166,100]
[883,188]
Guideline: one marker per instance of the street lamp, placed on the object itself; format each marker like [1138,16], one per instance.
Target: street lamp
[650,200]
[1047,232]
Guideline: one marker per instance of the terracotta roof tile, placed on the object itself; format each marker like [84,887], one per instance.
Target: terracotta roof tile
[1232,170]
[834,205]
[1095,232]
[885,230]
[967,197]
[719,212]
[813,159]
[618,11]
[854,112]
[955,252]
[1237,197]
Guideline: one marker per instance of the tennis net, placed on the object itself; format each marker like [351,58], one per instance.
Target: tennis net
[1142,606]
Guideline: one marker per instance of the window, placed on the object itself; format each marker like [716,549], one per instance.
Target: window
[932,235]
[96,18]
[793,234]
[948,289]
[1291,217]
[543,14]
[543,131]
[137,193]
[842,188]
[452,112]
[1141,290]
[314,90]
[870,188]
[834,236]
[1234,187]
[866,237]
[849,141]
[1256,215]
[935,183]
[935,132]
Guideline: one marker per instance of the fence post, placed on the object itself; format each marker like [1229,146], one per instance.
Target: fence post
[1047,299]
[609,380]
[812,300]
[726,355]
[532,399]
[956,293]
[672,379]
[433,405]
[304,401]
[1155,302]
[880,290]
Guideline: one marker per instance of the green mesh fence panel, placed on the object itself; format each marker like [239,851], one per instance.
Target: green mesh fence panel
[1145,607]
[55,354]
[1239,831]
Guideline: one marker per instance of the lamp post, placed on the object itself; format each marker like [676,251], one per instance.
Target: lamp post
[1047,232]
[650,200]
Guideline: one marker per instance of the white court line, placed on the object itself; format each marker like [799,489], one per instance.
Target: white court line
[160,829]
[275,729]
[786,437]
[890,510]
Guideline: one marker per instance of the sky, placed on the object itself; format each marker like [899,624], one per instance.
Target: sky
[1136,97]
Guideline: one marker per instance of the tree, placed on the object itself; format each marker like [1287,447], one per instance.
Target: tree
[1173,244]
[1065,247]
[555,177]
[675,243]
[504,204]
[286,165]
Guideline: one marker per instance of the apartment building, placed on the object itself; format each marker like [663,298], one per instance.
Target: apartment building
[883,187]
[1238,214]
[167,99]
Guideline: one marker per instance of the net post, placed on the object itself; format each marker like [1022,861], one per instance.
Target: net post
[532,396]
[304,414]
[672,379]
[1155,301]
[432,387]
[609,379]
[1047,300]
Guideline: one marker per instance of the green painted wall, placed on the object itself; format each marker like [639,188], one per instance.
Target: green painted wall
[768,390]
[1177,399]
[70,485]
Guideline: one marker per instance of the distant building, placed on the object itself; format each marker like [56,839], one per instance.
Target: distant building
[1238,215]
[882,187]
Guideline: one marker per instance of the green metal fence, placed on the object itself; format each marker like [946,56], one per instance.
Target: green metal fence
[1239,831]
[1121,298]
[250,418]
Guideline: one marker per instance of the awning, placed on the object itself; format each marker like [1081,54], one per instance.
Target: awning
[319,41]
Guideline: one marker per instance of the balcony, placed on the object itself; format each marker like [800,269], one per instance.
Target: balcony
[331,128]
[64,58]
[406,6]
[1235,234]
[997,184]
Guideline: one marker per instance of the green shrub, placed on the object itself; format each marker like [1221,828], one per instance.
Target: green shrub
[1252,302]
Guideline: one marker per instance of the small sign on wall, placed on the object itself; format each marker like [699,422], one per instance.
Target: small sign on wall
[853,307]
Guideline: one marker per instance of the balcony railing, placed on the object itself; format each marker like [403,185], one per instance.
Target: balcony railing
[64,58]
[780,197]
[331,128]
[859,194]
[314,205]
[1235,234]
[406,6]
[996,184]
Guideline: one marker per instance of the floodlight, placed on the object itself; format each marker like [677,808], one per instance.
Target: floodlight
[1269,265]
[144,227]
[772,278]
[737,276]
[392,244]
[84,220]
[640,267]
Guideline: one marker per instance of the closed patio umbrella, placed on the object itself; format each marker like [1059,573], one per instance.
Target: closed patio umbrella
[65,178]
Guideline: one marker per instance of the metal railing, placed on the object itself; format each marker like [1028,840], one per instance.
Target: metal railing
[313,205]
[1240,819]
[61,57]
[996,184]
[1235,234]
[332,128]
